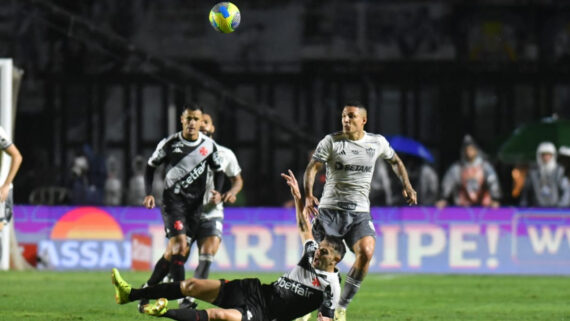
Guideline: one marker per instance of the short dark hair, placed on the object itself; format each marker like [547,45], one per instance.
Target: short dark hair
[192,107]
[337,244]
[357,104]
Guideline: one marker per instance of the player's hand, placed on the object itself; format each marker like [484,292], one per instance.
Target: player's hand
[495,204]
[149,201]
[311,203]
[293,184]
[4,190]
[229,197]
[410,195]
[216,198]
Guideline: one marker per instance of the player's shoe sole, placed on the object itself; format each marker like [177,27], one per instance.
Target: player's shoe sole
[157,309]
[122,288]
[340,314]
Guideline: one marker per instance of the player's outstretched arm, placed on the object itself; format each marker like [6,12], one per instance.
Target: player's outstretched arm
[308,181]
[14,153]
[398,167]
[302,221]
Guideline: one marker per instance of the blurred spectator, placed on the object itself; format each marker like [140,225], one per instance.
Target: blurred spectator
[471,181]
[380,187]
[519,174]
[113,187]
[564,159]
[546,185]
[421,175]
[96,175]
[136,191]
[427,181]
[79,184]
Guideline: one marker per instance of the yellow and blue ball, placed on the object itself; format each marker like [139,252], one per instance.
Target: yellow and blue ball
[225,17]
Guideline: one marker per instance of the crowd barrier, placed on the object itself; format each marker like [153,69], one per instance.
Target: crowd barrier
[409,240]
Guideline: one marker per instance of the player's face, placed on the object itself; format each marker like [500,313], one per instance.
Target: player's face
[324,257]
[352,120]
[191,121]
[207,126]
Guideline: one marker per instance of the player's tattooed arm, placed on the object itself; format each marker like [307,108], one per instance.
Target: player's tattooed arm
[302,221]
[398,167]
[308,181]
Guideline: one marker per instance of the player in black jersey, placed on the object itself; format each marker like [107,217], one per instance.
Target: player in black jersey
[186,155]
[313,284]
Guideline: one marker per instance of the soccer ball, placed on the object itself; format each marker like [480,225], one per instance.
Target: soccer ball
[225,17]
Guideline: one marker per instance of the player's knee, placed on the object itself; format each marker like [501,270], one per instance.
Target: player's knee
[365,253]
[187,286]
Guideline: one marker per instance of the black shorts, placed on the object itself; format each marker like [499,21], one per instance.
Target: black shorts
[181,213]
[211,227]
[347,225]
[244,295]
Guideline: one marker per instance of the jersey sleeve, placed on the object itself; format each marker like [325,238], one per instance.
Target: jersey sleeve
[309,250]
[159,154]
[214,160]
[5,142]
[324,149]
[231,165]
[386,151]
[331,296]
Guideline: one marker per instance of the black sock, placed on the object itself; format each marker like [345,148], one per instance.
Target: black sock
[187,315]
[161,269]
[177,267]
[203,269]
[169,291]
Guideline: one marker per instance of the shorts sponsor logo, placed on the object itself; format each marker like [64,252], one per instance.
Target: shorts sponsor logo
[352,168]
[178,225]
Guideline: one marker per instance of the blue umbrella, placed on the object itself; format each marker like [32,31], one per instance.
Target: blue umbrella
[406,145]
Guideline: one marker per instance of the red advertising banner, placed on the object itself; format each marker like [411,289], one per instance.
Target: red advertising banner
[141,252]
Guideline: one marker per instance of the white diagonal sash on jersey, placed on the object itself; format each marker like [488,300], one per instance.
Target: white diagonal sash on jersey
[186,164]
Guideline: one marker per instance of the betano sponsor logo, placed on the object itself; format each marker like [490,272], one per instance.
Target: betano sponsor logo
[87,237]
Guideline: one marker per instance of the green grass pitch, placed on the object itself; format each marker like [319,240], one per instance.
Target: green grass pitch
[66,296]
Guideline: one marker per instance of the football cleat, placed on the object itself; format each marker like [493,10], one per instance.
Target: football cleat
[340,314]
[157,309]
[122,288]
[187,303]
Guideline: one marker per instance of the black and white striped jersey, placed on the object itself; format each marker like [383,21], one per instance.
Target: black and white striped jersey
[304,289]
[186,162]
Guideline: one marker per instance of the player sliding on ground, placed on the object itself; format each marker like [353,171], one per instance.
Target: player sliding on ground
[313,284]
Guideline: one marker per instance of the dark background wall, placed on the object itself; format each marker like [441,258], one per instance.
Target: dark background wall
[113,75]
